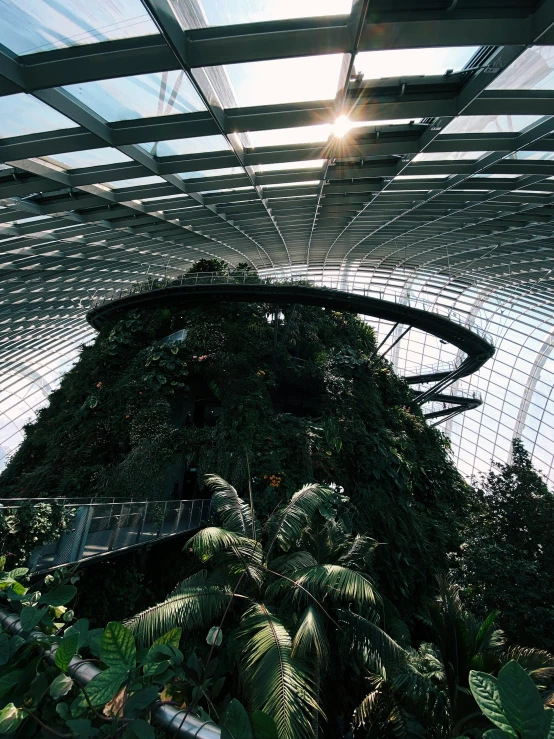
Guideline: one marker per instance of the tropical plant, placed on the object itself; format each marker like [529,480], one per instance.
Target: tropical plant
[512,703]
[28,525]
[508,550]
[427,691]
[293,590]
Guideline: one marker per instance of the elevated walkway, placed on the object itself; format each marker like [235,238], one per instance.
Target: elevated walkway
[100,528]
[206,288]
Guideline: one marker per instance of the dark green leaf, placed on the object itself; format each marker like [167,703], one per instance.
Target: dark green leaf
[264,726]
[485,691]
[18,572]
[141,729]
[235,723]
[4,649]
[66,651]
[10,718]
[139,701]
[521,701]
[62,709]
[94,641]
[39,687]
[80,627]
[30,617]
[60,596]
[495,734]
[7,682]
[215,636]
[104,686]
[61,686]
[82,727]
[172,637]
[117,648]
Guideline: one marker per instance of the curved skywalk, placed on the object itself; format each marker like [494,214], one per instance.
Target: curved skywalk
[407,145]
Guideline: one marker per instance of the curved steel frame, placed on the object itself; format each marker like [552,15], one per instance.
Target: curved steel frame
[252,289]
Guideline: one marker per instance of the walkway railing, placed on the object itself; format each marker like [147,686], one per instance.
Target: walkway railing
[152,282]
[96,529]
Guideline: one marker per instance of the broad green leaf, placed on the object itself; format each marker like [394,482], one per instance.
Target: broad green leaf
[94,641]
[61,686]
[235,723]
[38,687]
[485,691]
[215,636]
[117,648]
[264,726]
[496,734]
[521,701]
[82,728]
[60,596]
[30,617]
[4,649]
[7,682]
[16,591]
[172,637]
[139,701]
[10,718]
[62,709]
[66,651]
[18,572]
[104,686]
[141,729]
[80,627]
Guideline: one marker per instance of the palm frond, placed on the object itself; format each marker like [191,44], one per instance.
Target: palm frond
[488,638]
[359,551]
[310,641]
[337,584]
[275,681]
[212,540]
[235,513]
[290,564]
[285,526]
[195,603]
[244,558]
[537,662]
[366,638]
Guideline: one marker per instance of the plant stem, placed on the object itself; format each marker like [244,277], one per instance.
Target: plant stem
[45,726]
[250,492]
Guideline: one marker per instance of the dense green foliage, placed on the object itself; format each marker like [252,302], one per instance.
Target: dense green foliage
[318,406]
[506,560]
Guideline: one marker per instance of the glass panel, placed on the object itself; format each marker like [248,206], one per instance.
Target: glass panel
[421,177]
[227,189]
[293,184]
[533,70]
[491,123]
[89,158]
[195,145]
[393,122]
[27,26]
[142,96]
[411,62]
[152,180]
[231,12]
[531,155]
[449,156]
[498,176]
[285,80]
[308,164]
[211,173]
[23,114]
[284,136]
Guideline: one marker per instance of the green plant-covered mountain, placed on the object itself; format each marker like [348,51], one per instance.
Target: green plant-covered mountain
[146,416]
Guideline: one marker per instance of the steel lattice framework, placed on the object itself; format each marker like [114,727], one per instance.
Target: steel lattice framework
[446,192]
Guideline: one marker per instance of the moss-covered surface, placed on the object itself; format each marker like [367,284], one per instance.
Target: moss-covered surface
[318,406]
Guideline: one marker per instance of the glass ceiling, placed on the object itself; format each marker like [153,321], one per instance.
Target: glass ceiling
[411,62]
[473,235]
[142,96]
[89,158]
[23,114]
[231,12]
[491,123]
[29,26]
[285,80]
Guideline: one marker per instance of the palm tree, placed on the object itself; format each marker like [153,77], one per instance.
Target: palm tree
[293,587]
[425,692]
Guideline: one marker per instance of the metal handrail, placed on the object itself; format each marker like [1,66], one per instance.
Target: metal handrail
[101,528]
[177,722]
[218,278]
